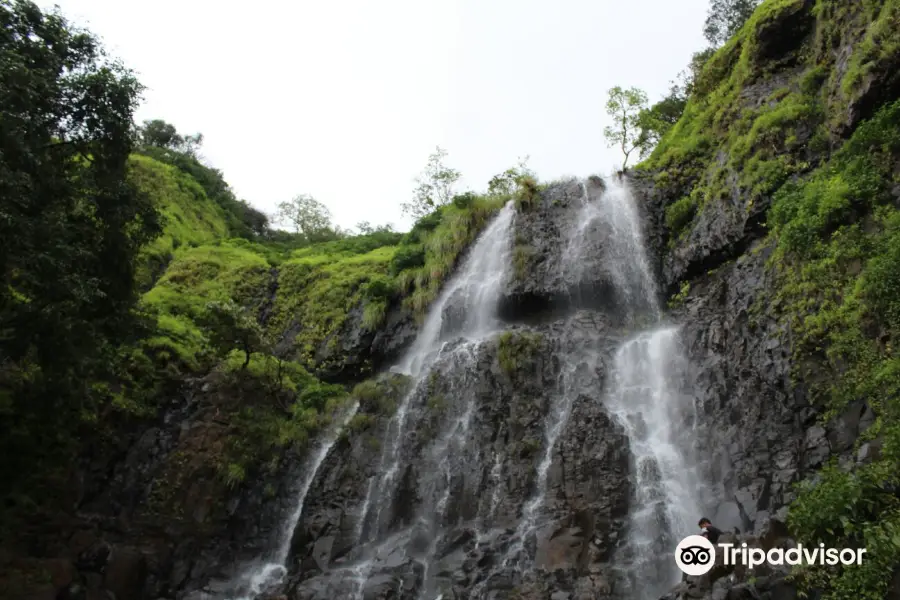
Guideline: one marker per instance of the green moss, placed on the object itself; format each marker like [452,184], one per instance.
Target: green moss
[189,218]
[278,404]
[517,349]
[318,291]
[528,194]
[879,48]
[381,395]
[837,260]
[522,257]
[197,276]
[444,242]
[679,215]
[728,143]
[678,299]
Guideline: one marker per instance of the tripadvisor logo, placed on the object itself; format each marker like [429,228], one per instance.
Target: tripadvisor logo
[695,555]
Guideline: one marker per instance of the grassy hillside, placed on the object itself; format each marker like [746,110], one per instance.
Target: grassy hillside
[775,99]
[217,302]
[189,217]
[798,116]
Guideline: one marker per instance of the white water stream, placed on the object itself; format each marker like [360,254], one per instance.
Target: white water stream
[269,575]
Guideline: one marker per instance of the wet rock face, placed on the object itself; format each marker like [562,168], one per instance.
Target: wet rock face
[355,352]
[157,520]
[553,274]
[457,506]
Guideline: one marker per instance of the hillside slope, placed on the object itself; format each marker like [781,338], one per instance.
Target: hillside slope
[774,206]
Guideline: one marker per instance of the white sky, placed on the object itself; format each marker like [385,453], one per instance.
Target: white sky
[345,99]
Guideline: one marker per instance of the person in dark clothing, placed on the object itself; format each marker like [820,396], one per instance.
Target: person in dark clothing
[708,531]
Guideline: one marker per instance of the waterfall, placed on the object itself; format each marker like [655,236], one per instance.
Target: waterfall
[270,574]
[466,308]
[644,398]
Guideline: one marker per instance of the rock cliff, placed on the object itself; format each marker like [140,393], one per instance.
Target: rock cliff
[502,472]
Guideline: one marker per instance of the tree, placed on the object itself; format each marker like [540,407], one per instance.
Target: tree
[434,187]
[309,218]
[725,17]
[230,327]
[509,181]
[625,106]
[656,121]
[71,226]
[164,135]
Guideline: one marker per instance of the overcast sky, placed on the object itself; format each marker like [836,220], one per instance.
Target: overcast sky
[345,99]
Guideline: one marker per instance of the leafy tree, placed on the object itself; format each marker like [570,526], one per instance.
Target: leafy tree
[509,181]
[725,17]
[625,106]
[164,135]
[434,187]
[231,327]
[366,228]
[71,227]
[309,218]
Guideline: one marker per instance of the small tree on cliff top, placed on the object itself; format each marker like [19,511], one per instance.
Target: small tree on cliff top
[625,106]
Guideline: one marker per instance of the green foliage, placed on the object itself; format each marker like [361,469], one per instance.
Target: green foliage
[838,259]
[310,219]
[679,298]
[382,395]
[625,108]
[725,18]
[164,135]
[528,193]
[278,404]
[408,257]
[654,122]
[517,349]
[71,227]
[509,182]
[731,143]
[880,47]
[434,187]
[679,215]
[317,291]
[241,219]
[229,326]
[188,217]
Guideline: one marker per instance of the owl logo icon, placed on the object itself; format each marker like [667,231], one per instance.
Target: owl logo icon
[695,555]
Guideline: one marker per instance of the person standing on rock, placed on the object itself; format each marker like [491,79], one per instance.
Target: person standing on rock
[708,531]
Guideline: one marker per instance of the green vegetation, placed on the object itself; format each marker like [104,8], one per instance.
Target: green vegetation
[838,258]
[625,108]
[727,141]
[516,349]
[679,215]
[188,217]
[679,298]
[434,187]
[72,227]
[725,18]
[835,224]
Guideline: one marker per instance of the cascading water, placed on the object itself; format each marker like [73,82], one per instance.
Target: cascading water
[452,469]
[644,397]
[645,400]
[466,308]
[269,574]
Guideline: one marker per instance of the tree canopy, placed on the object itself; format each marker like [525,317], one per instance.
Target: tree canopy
[434,186]
[71,225]
[625,106]
[725,17]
